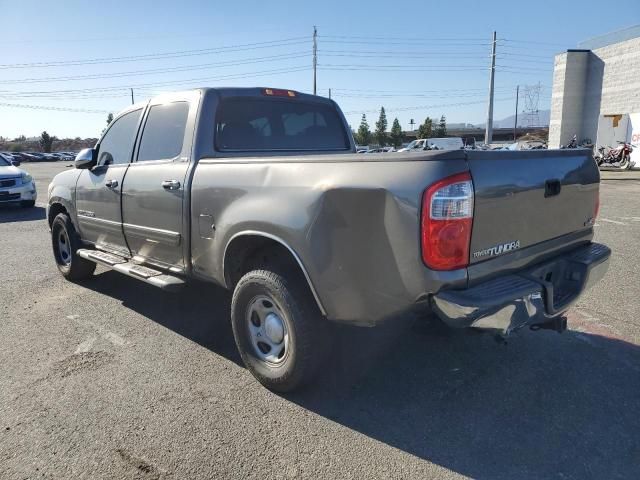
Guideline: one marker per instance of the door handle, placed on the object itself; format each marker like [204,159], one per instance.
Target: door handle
[171,184]
[552,187]
[111,183]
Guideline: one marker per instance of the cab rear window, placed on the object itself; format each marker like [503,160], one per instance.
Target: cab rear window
[254,124]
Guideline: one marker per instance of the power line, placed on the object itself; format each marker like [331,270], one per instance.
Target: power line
[399,68]
[57,109]
[394,42]
[156,56]
[156,84]
[409,92]
[532,42]
[185,68]
[409,39]
[373,54]
[425,107]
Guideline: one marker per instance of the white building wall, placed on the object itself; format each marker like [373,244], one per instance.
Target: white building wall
[588,84]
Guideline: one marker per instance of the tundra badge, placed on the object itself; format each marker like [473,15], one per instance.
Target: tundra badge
[497,250]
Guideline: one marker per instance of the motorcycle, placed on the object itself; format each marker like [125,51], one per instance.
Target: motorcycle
[619,157]
[572,144]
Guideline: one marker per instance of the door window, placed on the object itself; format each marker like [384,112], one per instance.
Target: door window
[117,144]
[164,131]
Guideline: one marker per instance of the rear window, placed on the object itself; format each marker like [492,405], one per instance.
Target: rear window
[250,124]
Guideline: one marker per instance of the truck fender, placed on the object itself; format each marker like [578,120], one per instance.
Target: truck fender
[285,245]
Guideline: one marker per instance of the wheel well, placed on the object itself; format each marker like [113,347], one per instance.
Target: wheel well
[252,252]
[54,210]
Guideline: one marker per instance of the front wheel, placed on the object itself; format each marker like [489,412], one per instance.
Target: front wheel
[279,331]
[65,243]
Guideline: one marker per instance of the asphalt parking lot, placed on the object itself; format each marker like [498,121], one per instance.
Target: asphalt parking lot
[112,378]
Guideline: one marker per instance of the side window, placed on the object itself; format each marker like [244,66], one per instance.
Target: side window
[117,144]
[164,131]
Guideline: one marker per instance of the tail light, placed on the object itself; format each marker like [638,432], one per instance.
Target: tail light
[277,92]
[447,218]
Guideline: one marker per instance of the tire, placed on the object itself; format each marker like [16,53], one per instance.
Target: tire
[258,295]
[65,243]
[28,203]
[625,163]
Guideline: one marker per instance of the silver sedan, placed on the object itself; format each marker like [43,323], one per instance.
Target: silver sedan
[16,185]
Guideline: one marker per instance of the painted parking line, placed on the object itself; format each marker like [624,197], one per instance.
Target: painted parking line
[612,221]
[99,330]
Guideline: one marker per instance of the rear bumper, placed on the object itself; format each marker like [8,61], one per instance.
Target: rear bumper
[534,296]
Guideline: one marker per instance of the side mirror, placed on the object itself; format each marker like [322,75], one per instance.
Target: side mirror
[86,158]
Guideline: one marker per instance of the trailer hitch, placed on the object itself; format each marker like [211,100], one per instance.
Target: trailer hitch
[559,324]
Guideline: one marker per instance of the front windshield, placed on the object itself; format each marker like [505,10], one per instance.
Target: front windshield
[4,162]
[411,145]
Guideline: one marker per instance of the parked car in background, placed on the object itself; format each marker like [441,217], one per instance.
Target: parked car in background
[15,161]
[18,156]
[444,143]
[16,185]
[415,145]
[34,156]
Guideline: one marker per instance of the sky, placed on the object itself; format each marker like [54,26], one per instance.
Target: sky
[64,66]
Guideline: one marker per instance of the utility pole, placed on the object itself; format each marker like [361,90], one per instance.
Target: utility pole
[488,134]
[412,123]
[515,123]
[315,58]
[329,94]
[132,102]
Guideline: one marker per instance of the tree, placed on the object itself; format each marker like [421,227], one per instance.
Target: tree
[21,138]
[46,142]
[381,128]
[109,120]
[363,137]
[426,129]
[441,129]
[396,133]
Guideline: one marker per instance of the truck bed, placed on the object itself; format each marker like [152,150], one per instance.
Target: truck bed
[353,220]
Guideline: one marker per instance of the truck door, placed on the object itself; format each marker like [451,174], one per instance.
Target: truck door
[154,187]
[98,190]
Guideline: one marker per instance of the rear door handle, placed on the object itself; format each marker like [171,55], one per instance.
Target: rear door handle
[552,187]
[171,184]
[111,183]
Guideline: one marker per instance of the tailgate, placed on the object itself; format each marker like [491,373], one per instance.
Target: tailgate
[524,198]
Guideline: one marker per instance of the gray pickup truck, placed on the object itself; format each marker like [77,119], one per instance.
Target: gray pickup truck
[260,191]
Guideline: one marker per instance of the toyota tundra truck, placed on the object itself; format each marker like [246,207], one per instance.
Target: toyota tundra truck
[260,191]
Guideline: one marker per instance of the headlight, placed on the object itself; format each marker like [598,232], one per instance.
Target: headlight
[26,178]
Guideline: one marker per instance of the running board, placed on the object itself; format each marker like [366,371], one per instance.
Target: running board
[152,276]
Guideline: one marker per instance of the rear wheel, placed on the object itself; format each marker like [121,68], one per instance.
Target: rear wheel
[279,331]
[624,163]
[65,243]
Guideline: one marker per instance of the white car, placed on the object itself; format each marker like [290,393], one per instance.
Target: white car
[444,143]
[16,185]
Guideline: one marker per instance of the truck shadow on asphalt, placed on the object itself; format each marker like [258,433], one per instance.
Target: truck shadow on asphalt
[544,405]
[11,213]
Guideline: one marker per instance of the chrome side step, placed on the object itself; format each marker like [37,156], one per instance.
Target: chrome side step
[152,276]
